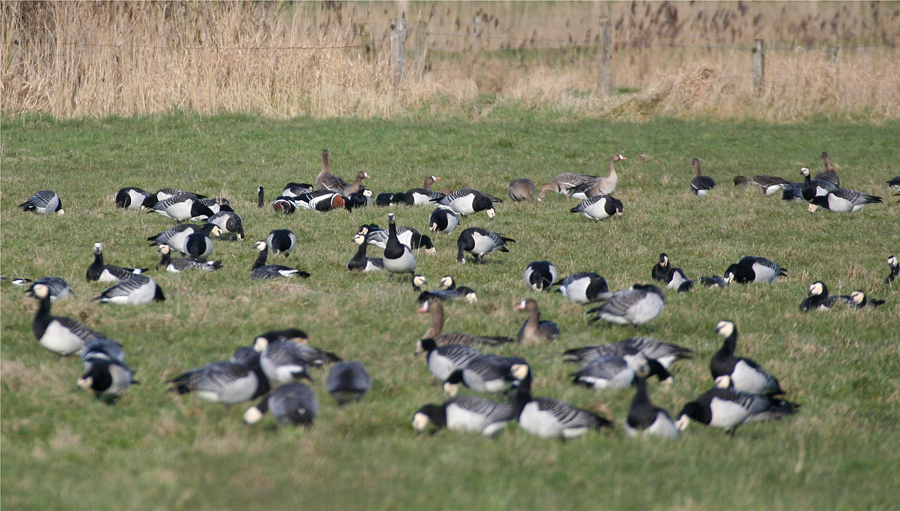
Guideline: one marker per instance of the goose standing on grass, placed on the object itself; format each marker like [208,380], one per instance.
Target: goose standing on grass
[137,290]
[469,414]
[601,185]
[744,374]
[58,287]
[480,242]
[540,275]
[700,184]
[895,269]
[281,240]
[488,373]
[348,381]
[178,265]
[858,300]
[131,197]
[443,219]
[521,190]
[551,418]
[768,185]
[727,409]
[819,299]
[260,196]
[425,195]
[436,310]
[105,371]
[397,258]
[199,245]
[228,383]
[262,271]
[360,261]
[582,287]
[467,201]
[842,200]
[753,269]
[408,236]
[445,360]
[828,173]
[599,207]
[326,180]
[229,223]
[611,371]
[664,353]
[292,404]
[634,306]
[44,202]
[183,207]
[672,277]
[63,336]
[565,184]
[535,332]
[98,271]
[645,419]
[176,236]
[356,185]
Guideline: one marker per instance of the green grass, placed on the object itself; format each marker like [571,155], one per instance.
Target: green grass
[61,449]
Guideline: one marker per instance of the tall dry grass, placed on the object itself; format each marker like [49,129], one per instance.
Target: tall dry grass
[285,59]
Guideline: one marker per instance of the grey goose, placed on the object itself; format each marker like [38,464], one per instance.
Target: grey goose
[348,381]
[137,290]
[521,190]
[326,180]
[61,335]
[180,264]
[98,271]
[535,332]
[634,306]
[599,207]
[436,310]
[262,271]
[131,197]
[582,287]
[292,404]
[43,202]
[744,374]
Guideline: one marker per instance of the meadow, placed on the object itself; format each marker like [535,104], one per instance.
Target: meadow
[62,449]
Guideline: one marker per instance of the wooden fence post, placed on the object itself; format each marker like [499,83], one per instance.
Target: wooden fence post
[604,83]
[398,49]
[421,47]
[759,66]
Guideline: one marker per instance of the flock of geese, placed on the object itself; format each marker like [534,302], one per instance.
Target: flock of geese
[271,369]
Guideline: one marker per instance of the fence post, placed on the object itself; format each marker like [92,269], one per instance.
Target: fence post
[398,49]
[421,47]
[477,31]
[759,66]
[604,83]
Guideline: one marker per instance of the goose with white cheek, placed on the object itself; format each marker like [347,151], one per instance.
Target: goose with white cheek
[728,409]
[744,374]
[292,404]
[61,335]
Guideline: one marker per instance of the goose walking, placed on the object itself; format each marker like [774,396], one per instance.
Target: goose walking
[645,419]
[137,290]
[480,242]
[436,310]
[131,197]
[673,278]
[228,383]
[599,207]
[469,414]
[326,180]
[467,201]
[753,269]
[178,265]
[727,409]
[262,271]
[535,332]
[583,287]
[44,202]
[540,275]
[292,404]
[348,381]
[634,306]
[98,271]
[63,336]
[58,287]
[443,219]
[700,184]
[744,374]
[601,185]
[397,258]
[842,200]
[521,190]
[818,298]
[360,261]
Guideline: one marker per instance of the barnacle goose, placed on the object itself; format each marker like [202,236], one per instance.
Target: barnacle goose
[634,306]
[176,236]
[131,197]
[178,265]
[105,371]
[700,184]
[645,419]
[611,371]
[360,261]
[842,200]
[407,236]
[397,258]
[167,193]
[358,200]
[753,269]
[292,404]
[224,382]
[182,207]
[284,359]
[470,414]
[137,290]
[296,189]
[467,201]
[745,374]
[443,219]
[326,180]
[565,184]
[582,287]
[727,409]
[521,190]
[63,336]
[488,373]
[348,381]
[425,195]
[713,281]
[57,286]
[535,332]
[819,299]
[601,185]
[551,418]
[673,278]
[814,187]
[198,245]
[445,360]
[229,223]
[260,196]
[107,272]
[540,275]
[262,271]
[655,351]
[599,207]
[768,185]
[281,240]
[436,310]
[480,242]
[894,184]
[895,269]
[859,300]
[449,291]
[44,202]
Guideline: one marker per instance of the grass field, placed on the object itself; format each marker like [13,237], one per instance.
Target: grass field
[62,449]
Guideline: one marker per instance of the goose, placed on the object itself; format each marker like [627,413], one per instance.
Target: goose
[407,236]
[565,184]
[58,287]
[326,180]
[449,292]
[137,290]
[792,192]
[98,271]
[894,184]
[176,236]
[167,193]
[63,336]
[348,381]
[488,373]
[470,414]
[768,185]
[198,245]
[262,271]
[700,184]
[443,219]
[467,201]
[386,199]
[664,353]
[813,187]
[521,190]
[320,200]
[727,409]
[425,196]
[673,278]
[753,269]
[859,300]
[418,282]
[360,261]
[599,207]
[217,204]
[182,207]
[634,306]
[178,265]
[842,200]
[131,197]
[106,376]
[292,404]
[445,360]
[828,174]
[292,189]
[16,281]
[44,202]
[224,382]
[229,223]
[535,332]
[356,185]
[540,275]
[398,258]
[358,200]
[819,299]
[260,196]
[284,361]
[102,347]
[284,205]
[480,242]
[601,185]
[436,310]
[290,345]
[895,269]
[713,281]
[744,374]
[611,371]
[551,418]
[582,287]
[281,240]
[645,419]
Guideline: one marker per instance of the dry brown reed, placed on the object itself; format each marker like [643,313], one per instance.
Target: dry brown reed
[285,59]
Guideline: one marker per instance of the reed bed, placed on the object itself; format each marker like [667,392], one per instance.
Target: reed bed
[332,59]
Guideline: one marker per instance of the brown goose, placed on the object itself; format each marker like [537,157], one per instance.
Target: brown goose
[828,174]
[436,310]
[565,184]
[355,186]
[326,180]
[535,332]
[521,189]
[601,185]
